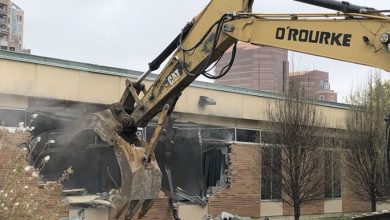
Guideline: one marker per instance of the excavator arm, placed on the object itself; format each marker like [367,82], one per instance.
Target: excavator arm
[353,37]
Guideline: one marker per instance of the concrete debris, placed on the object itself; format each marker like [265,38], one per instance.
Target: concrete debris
[88,199]
[103,202]
[74,192]
[228,216]
[182,195]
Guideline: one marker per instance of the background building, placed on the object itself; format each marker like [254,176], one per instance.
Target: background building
[315,83]
[11,27]
[260,68]
[267,69]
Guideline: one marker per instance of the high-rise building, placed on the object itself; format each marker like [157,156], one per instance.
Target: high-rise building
[11,27]
[315,83]
[256,67]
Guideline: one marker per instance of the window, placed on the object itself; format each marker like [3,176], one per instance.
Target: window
[244,135]
[271,173]
[12,117]
[225,134]
[321,97]
[269,138]
[324,84]
[332,174]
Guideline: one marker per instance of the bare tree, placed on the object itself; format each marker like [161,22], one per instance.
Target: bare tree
[364,157]
[296,125]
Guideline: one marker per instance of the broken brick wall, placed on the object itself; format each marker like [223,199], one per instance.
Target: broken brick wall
[20,195]
[243,196]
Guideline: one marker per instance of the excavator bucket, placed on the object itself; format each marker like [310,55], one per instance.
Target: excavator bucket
[140,179]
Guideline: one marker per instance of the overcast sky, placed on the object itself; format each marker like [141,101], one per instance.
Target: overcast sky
[129,34]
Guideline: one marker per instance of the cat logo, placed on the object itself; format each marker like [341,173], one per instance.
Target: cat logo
[173,77]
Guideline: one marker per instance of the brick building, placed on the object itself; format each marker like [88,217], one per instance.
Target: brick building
[260,68]
[227,138]
[315,83]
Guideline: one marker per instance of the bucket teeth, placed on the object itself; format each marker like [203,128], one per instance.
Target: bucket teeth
[134,206]
[145,207]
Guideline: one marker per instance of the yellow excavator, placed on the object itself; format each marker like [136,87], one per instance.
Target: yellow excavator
[354,34]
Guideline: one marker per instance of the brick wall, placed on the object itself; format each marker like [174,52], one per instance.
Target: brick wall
[313,208]
[350,200]
[243,196]
[20,195]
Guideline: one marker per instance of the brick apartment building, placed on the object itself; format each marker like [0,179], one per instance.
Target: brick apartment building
[11,27]
[315,83]
[260,68]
